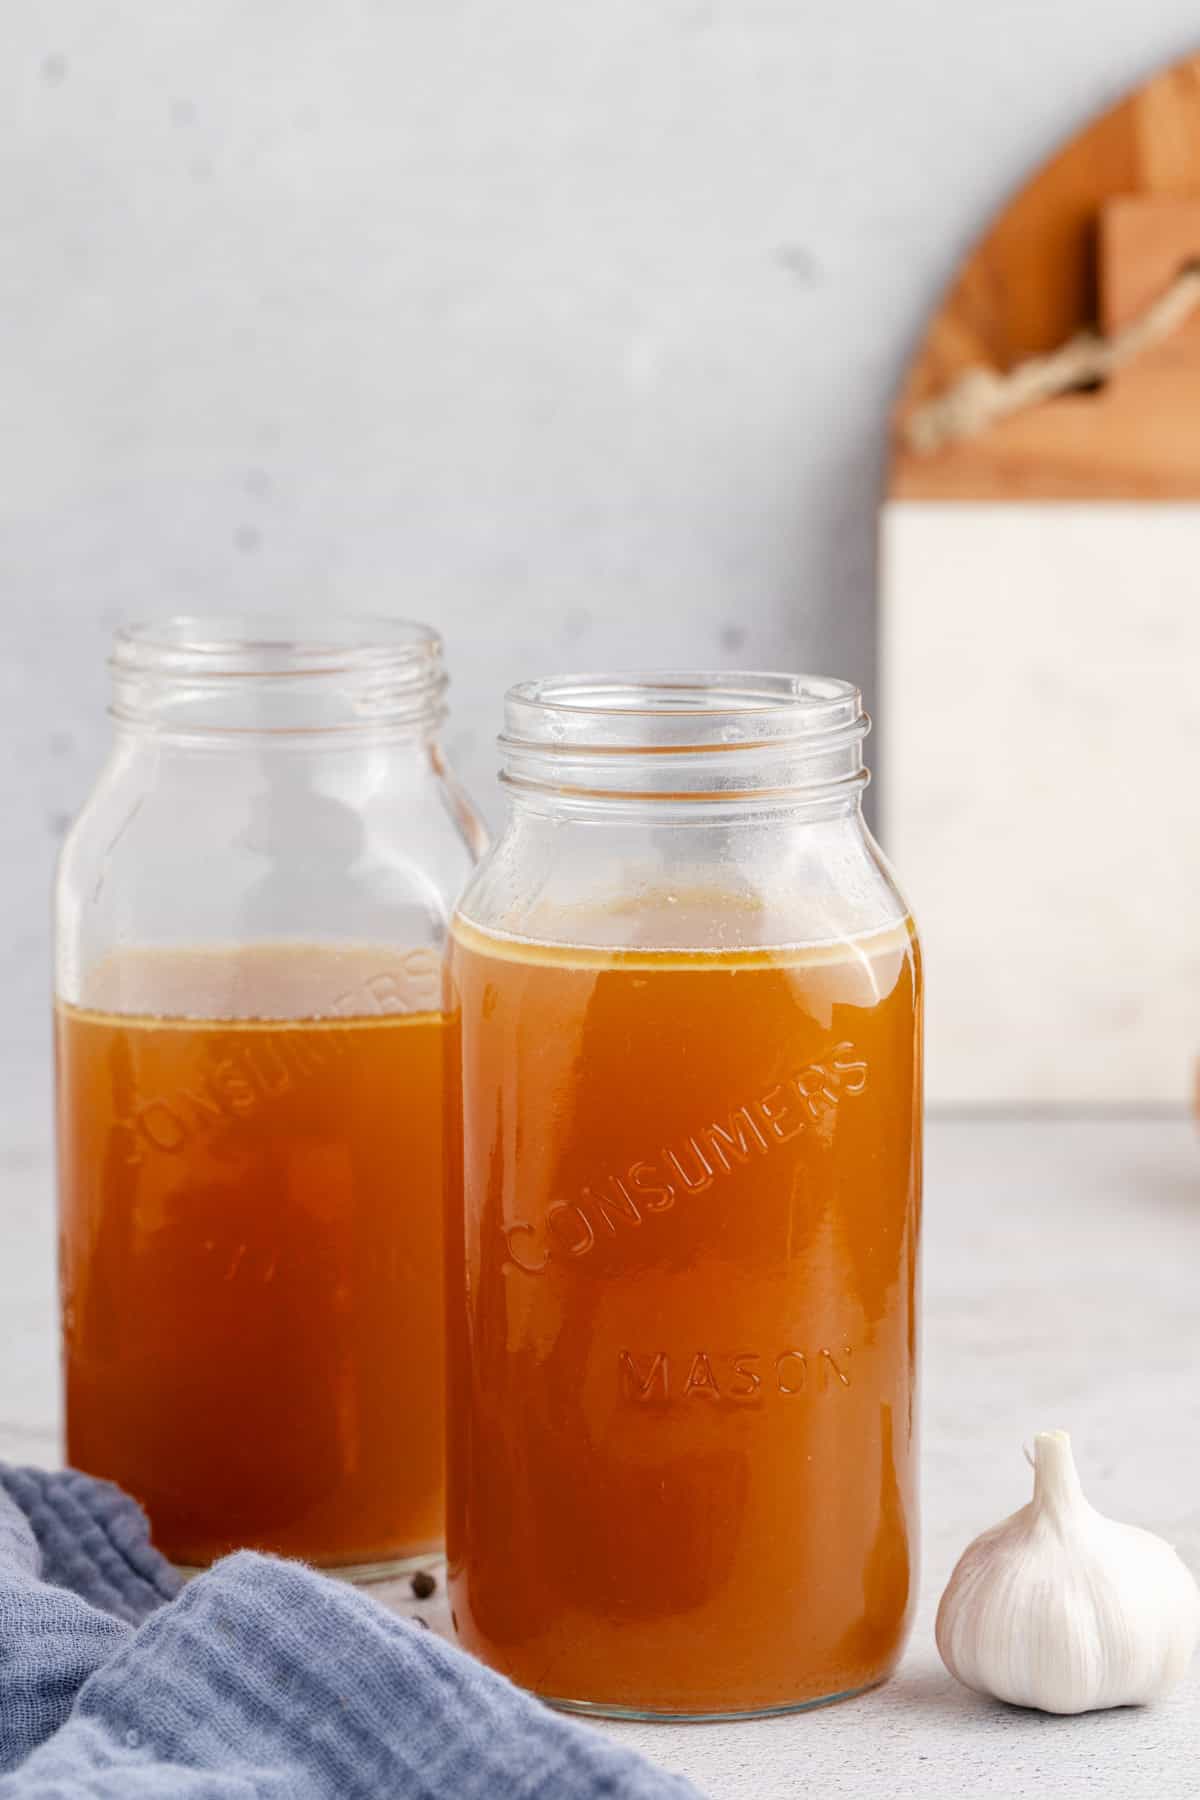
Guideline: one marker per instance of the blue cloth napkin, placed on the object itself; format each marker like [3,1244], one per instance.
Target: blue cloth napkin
[259,1678]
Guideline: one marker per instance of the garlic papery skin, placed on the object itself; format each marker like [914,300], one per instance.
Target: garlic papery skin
[1062,1609]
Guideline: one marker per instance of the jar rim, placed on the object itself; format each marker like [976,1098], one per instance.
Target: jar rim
[264,644]
[286,674]
[685,735]
[676,708]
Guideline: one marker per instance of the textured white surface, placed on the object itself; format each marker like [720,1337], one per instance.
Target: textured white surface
[570,326]
[1061,1280]
[1042,738]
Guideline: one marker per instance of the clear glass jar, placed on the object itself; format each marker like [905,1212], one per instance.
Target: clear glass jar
[250,916]
[682,1282]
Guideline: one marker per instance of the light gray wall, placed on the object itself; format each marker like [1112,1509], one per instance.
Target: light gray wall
[569,326]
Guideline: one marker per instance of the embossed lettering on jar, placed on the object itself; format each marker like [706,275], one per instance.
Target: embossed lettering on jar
[682,1327]
[250,1032]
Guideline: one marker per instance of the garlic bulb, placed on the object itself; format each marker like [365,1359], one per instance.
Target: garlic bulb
[1062,1609]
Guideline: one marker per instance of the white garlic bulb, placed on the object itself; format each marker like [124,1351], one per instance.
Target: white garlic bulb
[1062,1609]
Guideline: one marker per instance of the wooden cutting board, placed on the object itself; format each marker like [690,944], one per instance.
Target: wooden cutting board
[1040,645]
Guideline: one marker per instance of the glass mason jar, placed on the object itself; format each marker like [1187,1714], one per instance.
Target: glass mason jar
[682,1259]
[250,916]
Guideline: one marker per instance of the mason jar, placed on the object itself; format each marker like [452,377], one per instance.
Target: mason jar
[250,917]
[682,1256]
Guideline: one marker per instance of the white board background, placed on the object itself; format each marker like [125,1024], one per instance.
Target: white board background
[1040,711]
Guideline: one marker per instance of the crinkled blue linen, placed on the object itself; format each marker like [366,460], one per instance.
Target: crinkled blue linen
[260,1678]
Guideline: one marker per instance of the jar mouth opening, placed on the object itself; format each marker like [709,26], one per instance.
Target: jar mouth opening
[703,733]
[265,644]
[676,709]
[284,674]
[684,690]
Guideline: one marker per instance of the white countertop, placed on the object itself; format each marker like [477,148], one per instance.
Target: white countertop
[1062,1270]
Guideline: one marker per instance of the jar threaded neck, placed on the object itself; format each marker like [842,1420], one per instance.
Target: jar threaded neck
[689,737]
[278,675]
